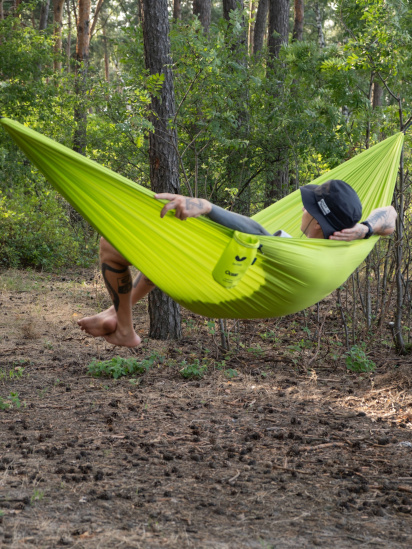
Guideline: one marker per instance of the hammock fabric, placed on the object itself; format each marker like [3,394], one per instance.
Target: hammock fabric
[289,274]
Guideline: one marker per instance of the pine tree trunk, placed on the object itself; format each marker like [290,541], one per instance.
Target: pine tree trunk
[82,56]
[69,36]
[57,20]
[163,311]
[177,10]
[299,18]
[203,9]
[260,25]
[277,186]
[44,15]
[230,5]
[278,23]
[377,95]
[106,55]
[319,25]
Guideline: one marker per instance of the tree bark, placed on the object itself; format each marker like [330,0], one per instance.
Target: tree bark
[57,20]
[230,5]
[163,311]
[69,36]
[279,24]
[177,10]
[260,25]
[203,9]
[44,15]
[106,56]
[82,56]
[95,17]
[299,19]
[377,95]
[278,185]
[319,25]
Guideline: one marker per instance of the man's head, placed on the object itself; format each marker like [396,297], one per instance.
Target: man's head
[333,205]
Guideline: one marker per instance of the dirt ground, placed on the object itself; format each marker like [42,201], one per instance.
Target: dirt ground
[276,446]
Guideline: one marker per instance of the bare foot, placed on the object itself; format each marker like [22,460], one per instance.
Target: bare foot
[102,324]
[127,338]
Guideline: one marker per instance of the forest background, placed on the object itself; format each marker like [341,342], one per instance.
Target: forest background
[266,96]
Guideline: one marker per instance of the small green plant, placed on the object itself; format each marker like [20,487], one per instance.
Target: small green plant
[118,366]
[357,359]
[15,373]
[194,370]
[257,351]
[211,327]
[37,495]
[42,392]
[190,323]
[12,401]
[220,365]
[269,336]
[230,373]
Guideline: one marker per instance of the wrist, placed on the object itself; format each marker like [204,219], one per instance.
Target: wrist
[207,206]
[369,230]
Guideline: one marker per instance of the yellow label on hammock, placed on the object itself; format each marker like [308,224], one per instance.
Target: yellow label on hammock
[238,256]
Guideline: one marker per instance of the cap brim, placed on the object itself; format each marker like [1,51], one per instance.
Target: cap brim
[311,205]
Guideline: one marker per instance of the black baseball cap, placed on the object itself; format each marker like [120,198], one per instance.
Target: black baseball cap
[334,205]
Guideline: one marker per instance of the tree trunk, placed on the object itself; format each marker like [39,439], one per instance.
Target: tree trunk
[251,30]
[299,18]
[69,36]
[279,24]
[203,9]
[177,10]
[163,311]
[377,95]
[57,20]
[44,15]
[260,25]
[319,25]
[277,186]
[82,56]
[95,18]
[1,11]
[230,5]
[106,55]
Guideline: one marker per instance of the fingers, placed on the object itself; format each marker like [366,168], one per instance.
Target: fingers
[165,196]
[346,235]
[176,202]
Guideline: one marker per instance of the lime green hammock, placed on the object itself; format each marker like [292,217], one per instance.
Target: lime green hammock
[289,274]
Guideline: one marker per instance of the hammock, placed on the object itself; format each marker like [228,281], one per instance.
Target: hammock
[289,274]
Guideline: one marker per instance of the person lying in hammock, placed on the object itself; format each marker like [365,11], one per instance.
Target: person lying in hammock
[332,210]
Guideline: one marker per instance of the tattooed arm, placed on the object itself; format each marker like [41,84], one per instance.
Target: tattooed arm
[184,206]
[193,207]
[382,221]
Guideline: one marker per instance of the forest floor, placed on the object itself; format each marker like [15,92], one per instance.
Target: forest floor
[277,445]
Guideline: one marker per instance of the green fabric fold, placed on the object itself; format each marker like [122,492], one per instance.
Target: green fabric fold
[288,275]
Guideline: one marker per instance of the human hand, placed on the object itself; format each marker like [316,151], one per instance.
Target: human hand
[184,206]
[357,232]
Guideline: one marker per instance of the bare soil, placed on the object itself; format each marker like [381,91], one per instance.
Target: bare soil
[276,446]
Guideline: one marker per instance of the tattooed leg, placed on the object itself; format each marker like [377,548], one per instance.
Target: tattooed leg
[115,323]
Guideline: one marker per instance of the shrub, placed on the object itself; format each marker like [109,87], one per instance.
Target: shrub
[35,232]
[118,366]
[358,361]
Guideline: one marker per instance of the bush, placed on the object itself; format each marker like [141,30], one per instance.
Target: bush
[35,231]
[358,361]
[119,367]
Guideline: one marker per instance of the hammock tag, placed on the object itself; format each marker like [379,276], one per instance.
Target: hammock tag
[238,256]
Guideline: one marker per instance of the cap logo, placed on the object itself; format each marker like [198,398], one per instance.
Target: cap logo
[323,206]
